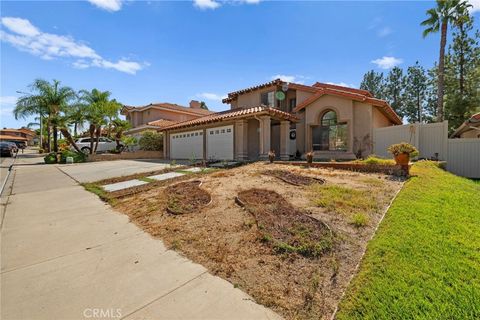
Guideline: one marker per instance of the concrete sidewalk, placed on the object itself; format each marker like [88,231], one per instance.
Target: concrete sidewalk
[67,255]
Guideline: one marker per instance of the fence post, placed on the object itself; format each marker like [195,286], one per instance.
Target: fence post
[445,140]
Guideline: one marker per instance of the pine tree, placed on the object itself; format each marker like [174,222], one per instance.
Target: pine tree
[415,94]
[394,90]
[374,83]
[462,81]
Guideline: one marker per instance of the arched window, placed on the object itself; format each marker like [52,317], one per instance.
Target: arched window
[330,135]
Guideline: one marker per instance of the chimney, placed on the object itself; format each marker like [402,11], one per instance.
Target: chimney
[194,104]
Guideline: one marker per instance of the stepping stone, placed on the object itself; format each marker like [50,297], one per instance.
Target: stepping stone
[165,176]
[194,169]
[123,185]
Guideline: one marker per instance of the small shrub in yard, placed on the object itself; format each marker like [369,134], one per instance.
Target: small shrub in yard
[360,220]
[151,141]
[77,156]
[50,158]
[399,148]
[374,160]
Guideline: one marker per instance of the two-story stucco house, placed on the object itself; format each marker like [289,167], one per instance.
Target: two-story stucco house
[332,121]
[156,116]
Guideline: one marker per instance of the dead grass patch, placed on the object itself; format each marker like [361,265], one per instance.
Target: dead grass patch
[186,197]
[292,178]
[342,199]
[227,240]
[285,228]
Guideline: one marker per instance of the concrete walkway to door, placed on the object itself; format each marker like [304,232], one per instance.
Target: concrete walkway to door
[67,255]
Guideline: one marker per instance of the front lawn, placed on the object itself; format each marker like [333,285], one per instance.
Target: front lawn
[424,262]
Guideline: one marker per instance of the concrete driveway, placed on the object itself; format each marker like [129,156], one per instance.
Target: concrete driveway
[67,255]
[95,171]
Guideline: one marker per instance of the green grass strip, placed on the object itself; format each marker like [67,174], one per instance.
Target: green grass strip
[424,261]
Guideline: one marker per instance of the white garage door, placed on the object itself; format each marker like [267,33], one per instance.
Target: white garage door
[220,143]
[186,145]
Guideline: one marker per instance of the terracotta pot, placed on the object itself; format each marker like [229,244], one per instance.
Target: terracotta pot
[402,159]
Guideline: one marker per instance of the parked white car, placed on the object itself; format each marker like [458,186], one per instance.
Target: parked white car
[104,144]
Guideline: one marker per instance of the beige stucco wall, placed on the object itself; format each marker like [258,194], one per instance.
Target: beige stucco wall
[471,134]
[250,99]
[138,118]
[379,119]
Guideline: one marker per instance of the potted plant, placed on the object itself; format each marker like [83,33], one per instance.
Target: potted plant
[403,152]
[271,155]
[309,157]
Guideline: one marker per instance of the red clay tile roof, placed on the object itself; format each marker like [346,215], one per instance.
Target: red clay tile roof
[476,116]
[234,114]
[4,137]
[342,88]
[233,95]
[169,106]
[162,123]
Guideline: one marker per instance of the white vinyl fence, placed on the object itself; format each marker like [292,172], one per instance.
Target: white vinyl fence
[431,140]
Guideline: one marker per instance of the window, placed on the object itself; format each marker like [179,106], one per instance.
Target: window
[217,131]
[229,130]
[292,103]
[223,130]
[211,132]
[201,133]
[329,135]
[268,98]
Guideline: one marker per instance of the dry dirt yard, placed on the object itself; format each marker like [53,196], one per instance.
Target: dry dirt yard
[228,240]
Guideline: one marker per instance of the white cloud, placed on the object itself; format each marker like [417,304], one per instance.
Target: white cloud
[20,26]
[475,6]
[206,4]
[211,96]
[26,37]
[109,5]
[214,4]
[342,84]
[387,62]
[288,78]
[383,32]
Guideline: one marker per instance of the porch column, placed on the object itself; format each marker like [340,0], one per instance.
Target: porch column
[265,129]
[241,137]
[165,146]
[284,140]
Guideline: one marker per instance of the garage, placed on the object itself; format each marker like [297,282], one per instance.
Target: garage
[220,143]
[186,145]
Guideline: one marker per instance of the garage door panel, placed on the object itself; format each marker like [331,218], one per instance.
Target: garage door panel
[220,143]
[186,145]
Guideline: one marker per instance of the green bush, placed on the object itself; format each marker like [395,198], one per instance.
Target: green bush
[151,141]
[77,156]
[50,158]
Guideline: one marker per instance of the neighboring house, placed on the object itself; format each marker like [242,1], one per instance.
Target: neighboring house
[19,135]
[468,129]
[332,121]
[156,116]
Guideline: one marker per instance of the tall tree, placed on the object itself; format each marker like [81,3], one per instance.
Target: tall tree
[462,81]
[394,87]
[446,12]
[374,83]
[415,94]
[48,100]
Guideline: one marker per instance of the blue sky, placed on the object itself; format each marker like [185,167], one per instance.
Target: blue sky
[175,51]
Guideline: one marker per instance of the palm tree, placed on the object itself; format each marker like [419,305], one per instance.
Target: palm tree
[100,110]
[47,100]
[446,11]
[120,126]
